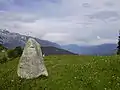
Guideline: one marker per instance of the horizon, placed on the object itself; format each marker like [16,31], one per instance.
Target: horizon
[57,43]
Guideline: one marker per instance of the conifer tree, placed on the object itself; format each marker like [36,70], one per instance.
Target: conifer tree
[118,47]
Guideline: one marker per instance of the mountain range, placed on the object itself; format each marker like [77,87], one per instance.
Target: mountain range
[103,49]
[12,40]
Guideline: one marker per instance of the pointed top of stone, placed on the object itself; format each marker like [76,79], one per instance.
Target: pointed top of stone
[32,41]
[31,64]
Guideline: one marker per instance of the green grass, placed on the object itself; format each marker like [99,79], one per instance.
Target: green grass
[67,72]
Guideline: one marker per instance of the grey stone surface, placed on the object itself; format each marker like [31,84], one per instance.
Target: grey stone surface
[31,64]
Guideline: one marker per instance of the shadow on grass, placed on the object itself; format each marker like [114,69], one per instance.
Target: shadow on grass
[41,77]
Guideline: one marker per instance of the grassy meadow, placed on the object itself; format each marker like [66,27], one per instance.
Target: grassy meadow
[66,72]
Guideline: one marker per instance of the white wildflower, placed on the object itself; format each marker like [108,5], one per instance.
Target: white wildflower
[105,88]
[75,77]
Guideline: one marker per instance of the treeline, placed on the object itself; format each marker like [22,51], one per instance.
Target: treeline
[9,54]
[118,47]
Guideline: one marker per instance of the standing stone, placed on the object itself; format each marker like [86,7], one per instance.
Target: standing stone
[31,64]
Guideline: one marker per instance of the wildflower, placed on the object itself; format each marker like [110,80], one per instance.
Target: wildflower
[118,84]
[75,77]
[90,77]
[105,88]
[98,80]
[69,82]
[118,78]
[88,63]
[113,76]
[105,60]
[102,59]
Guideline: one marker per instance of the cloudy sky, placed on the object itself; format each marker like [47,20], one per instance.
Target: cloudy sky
[82,22]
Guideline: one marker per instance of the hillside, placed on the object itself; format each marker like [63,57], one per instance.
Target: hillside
[12,40]
[67,72]
[55,51]
[103,49]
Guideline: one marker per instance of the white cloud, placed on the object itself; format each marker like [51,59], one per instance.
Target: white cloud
[66,21]
[98,37]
